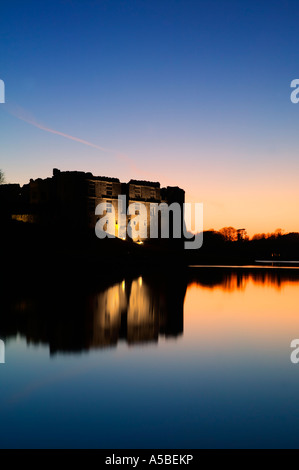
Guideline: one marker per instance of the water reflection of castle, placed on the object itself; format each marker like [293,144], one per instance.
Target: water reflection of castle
[131,310]
[136,311]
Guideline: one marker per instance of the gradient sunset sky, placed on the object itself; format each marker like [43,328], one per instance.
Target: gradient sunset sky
[190,93]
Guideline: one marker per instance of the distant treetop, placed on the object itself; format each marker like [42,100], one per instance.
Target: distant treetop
[2,177]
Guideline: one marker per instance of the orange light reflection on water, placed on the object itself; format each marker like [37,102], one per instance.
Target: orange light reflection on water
[242,310]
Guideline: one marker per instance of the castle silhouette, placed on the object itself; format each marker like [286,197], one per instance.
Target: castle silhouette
[69,199]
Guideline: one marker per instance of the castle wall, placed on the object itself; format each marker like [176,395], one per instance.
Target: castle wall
[69,199]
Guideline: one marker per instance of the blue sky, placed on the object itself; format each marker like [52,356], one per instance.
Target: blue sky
[190,93]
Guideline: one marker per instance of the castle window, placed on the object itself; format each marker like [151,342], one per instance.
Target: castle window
[92,188]
[108,206]
[109,189]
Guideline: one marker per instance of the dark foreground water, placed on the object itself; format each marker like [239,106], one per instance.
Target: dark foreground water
[202,361]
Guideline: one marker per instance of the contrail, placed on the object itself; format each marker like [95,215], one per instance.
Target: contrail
[67,136]
[23,115]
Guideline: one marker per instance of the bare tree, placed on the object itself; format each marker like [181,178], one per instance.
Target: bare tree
[242,234]
[2,177]
[229,233]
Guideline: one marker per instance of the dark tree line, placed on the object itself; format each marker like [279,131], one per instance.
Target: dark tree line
[233,245]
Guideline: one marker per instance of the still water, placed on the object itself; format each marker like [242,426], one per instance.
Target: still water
[194,361]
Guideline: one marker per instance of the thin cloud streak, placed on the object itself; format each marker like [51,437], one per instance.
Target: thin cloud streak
[23,115]
[67,136]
